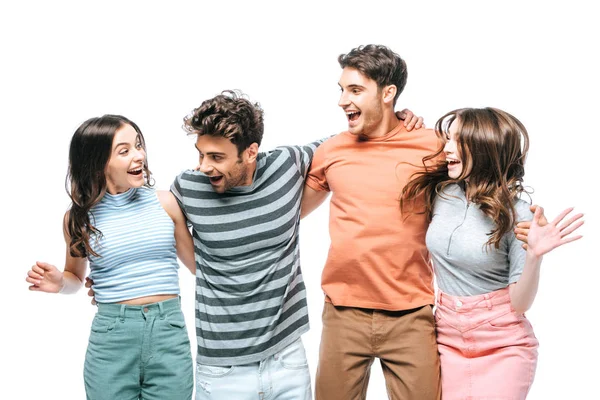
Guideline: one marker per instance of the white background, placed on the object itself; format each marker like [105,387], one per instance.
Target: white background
[155,61]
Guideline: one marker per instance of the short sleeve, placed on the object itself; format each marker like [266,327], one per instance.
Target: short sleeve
[316,178]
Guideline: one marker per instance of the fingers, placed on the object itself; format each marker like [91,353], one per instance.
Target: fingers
[420,124]
[44,266]
[568,230]
[523,225]
[537,215]
[561,216]
[403,114]
[533,207]
[522,238]
[88,282]
[571,239]
[522,232]
[568,222]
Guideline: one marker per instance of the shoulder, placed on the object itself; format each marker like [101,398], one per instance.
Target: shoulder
[453,192]
[522,210]
[428,138]
[169,203]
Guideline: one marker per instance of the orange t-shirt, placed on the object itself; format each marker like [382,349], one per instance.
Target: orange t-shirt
[378,258]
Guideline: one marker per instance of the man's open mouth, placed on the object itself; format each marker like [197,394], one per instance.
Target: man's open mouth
[215,179]
[352,115]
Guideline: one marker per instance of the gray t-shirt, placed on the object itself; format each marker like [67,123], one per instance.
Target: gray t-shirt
[464,264]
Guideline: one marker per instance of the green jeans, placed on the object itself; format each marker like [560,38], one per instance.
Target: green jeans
[139,352]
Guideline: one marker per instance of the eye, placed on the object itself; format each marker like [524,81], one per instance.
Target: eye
[139,146]
[355,91]
[217,158]
[124,152]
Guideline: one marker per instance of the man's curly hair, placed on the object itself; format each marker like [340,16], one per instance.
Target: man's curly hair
[230,115]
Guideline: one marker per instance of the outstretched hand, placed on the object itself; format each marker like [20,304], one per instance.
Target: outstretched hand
[45,277]
[411,121]
[544,238]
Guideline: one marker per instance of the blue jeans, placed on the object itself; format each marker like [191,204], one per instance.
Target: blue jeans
[282,376]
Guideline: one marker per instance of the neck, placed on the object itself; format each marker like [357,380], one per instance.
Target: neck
[250,171]
[388,122]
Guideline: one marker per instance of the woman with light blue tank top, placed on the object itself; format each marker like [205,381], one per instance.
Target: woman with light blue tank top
[486,277]
[131,236]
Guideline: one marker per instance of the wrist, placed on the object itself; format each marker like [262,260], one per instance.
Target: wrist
[63,284]
[534,256]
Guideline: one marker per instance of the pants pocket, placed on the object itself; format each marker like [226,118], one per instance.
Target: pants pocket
[293,356]
[213,371]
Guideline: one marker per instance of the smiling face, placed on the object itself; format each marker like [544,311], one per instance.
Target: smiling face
[456,164]
[363,102]
[125,166]
[220,161]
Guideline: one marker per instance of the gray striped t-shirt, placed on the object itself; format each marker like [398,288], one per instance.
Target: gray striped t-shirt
[250,295]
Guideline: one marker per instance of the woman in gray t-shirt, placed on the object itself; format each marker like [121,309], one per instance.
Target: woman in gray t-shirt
[486,279]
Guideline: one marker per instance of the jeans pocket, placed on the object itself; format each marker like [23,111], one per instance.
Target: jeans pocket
[176,320]
[293,356]
[507,320]
[213,371]
[103,324]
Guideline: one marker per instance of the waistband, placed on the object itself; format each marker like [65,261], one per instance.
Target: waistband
[467,303]
[139,311]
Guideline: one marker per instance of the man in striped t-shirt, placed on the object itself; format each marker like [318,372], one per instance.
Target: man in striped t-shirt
[244,209]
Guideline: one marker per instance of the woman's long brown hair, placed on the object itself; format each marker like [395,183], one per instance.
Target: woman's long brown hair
[492,145]
[89,153]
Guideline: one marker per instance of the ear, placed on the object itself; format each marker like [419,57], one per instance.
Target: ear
[251,153]
[389,92]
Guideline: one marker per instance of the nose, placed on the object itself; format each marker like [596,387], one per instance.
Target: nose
[205,165]
[140,155]
[343,99]
[449,147]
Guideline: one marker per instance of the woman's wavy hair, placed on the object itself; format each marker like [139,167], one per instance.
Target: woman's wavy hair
[493,146]
[230,115]
[89,153]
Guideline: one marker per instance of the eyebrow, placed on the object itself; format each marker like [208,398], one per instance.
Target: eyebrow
[210,152]
[352,86]
[138,139]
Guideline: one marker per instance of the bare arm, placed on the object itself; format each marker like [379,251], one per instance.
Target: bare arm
[541,240]
[45,277]
[183,239]
[311,199]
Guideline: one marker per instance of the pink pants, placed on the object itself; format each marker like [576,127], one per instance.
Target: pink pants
[487,351]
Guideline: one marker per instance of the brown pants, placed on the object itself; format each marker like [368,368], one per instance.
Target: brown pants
[404,342]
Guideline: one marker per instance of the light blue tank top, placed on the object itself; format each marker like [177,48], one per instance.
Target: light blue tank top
[136,248]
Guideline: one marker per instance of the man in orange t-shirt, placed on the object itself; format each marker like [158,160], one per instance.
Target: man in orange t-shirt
[377,280]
